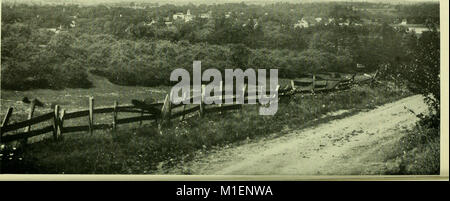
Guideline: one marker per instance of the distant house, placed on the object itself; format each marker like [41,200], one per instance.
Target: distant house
[55,30]
[181,16]
[404,22]
[346,23]
[178,16]
[302,24]
[330,20]
[418,29]
[318,19]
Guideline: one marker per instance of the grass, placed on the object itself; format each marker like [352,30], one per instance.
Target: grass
[418,151]
[142,150]
[76,99]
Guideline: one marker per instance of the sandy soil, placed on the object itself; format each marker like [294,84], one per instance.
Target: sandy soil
[358,144]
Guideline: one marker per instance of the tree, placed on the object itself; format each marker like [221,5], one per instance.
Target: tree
[239,55]
[423,74]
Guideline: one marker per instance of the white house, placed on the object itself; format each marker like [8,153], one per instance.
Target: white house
[318,19]
[302,24]
[404,22]
[181,16]
[178,16]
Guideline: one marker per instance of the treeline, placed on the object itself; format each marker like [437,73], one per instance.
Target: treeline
[66,59]
[420,14]
[120,44]
[150,63]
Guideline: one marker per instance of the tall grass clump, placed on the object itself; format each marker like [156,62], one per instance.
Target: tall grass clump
[419,151]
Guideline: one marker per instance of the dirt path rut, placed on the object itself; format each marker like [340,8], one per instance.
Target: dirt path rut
[354,145]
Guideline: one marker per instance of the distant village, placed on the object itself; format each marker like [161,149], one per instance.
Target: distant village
[304,22]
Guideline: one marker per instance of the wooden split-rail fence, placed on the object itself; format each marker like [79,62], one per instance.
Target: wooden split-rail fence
[160,112]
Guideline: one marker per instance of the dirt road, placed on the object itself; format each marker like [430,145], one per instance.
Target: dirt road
[357,144]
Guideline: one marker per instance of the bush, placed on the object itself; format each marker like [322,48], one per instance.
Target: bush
[25,65]
[419,152]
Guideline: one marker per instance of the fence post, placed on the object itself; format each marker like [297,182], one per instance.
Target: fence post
[293,85]
[313,83]
[277,89]
[91,115]
[373,79]
[184,106]
[169,107]
[142,113]
[30,115]
[6,121]
[202,106]
[61,124]
[55,122]
[114,123]
[244,90]
[221,95]
[165,112]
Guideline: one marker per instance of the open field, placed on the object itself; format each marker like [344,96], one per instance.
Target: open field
[104,92]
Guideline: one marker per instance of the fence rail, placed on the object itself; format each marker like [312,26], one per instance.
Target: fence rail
[154,111]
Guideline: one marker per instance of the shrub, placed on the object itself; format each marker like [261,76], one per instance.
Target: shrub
[27,66]
[419,152]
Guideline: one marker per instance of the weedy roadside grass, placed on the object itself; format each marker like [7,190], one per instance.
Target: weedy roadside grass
[418,152]
[142,150]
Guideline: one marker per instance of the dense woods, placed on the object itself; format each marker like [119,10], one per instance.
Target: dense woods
[56,46]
